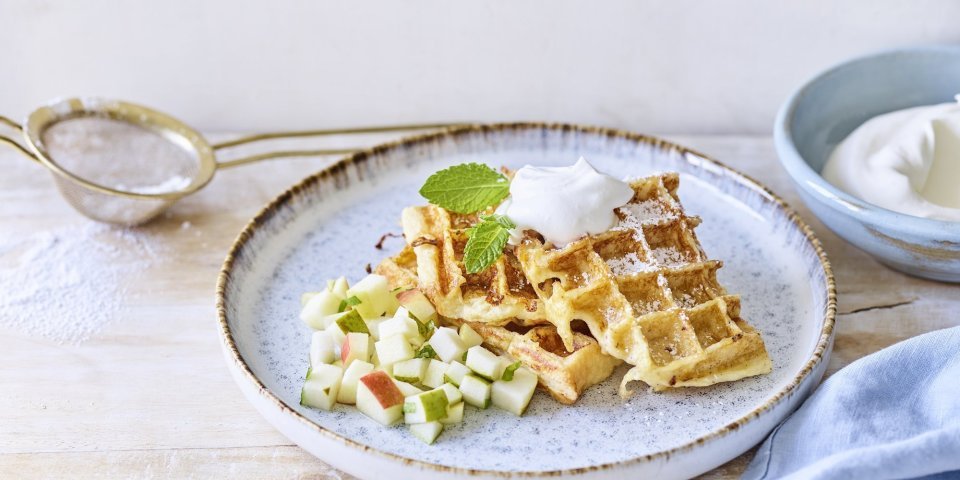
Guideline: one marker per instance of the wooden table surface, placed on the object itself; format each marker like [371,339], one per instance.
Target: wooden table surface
[149,395]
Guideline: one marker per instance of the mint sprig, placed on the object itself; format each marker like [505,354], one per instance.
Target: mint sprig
[466,188]
[485,242]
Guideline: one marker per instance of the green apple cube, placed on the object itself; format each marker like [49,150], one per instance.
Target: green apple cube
[425,407]
[393,349]
[407,389]
[379,398]
[356,346]
[514,395]
[321,386]
[418,304]
[455,373]
[469,336]
[476,391]
[374,294]
[339,286]
[485,363]
[452,392]
[446,342]
[336,334]
[427,432]
[454,414]
[348,386]
[322,348]
[351,321]
[433,376]
[398,325]
[320,306]
[410,371]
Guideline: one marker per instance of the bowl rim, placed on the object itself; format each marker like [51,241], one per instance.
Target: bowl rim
[819,354]
[809,179]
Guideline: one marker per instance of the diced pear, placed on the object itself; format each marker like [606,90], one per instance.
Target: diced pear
[336,334]
[374,294]
[455,373]
[348,386]
[418,304]
[448,345]
[427,432]
[405,326]
[425,407]
[433,377]
[356,346]
[454,414]
[484,363]
[352,322]
[514,395]
[339,287]
[393,349]
[374,326]
[320,305]
[470,336]
[407,389]
[476,391]
[305,297]
[379,398]
[322,348]
[410,371]
[452,392]
[321,386]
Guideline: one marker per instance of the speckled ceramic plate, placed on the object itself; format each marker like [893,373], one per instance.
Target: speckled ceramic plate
[328,224]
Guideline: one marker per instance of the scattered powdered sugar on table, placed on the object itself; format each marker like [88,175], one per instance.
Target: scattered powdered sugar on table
[66,284]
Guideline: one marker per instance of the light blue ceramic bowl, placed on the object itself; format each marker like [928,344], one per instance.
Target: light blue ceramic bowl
[827,108]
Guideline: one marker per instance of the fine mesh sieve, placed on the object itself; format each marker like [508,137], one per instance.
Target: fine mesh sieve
[122,163]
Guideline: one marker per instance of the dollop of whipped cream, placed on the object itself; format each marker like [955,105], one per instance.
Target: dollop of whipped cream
[907,161]
[563,203]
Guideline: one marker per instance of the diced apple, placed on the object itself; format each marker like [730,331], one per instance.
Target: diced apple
[485,363]
[454,414]
[452,392]
[379,398]
[322,348]
[374,295]
[348,386]
[405,326]
[336,334]
[339,286]
[393,349]
[469,336]
[455,373]
[356,346]
[411,370]
[427,432]
[351,321]
[514,395]
[446,342]
[320,306]
[433,376]
[374,326]
[425,407]
[305,297]
[321,386]
[418,304]
[408,389]
[476,391]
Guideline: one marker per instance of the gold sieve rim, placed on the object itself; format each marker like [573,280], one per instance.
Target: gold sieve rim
[166,126]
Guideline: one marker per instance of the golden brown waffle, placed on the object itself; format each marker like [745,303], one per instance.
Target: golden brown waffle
[648,294]
[564,375]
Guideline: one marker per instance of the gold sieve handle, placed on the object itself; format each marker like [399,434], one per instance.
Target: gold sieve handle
[14,143]
[316,133]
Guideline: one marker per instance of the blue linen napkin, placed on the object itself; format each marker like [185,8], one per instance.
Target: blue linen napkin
[893,414]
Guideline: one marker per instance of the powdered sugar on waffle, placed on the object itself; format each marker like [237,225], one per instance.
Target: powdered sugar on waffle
[629,264]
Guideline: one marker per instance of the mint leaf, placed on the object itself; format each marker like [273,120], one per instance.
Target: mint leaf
[510,370]
[426,351]
[348,303]
[466,188]
[485,242]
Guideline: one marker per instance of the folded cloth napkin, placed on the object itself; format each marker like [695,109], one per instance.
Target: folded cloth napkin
[892,414]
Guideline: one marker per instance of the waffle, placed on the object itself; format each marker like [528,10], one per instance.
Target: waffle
[564,375]
[648,294]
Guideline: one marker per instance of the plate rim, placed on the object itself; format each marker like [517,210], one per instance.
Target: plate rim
[266,213]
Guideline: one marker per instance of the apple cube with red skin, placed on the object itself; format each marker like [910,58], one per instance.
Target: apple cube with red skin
[356,346]
[418,304]
[351,377]
[379,398]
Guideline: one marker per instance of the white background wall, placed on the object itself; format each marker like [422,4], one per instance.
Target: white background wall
[656,66]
